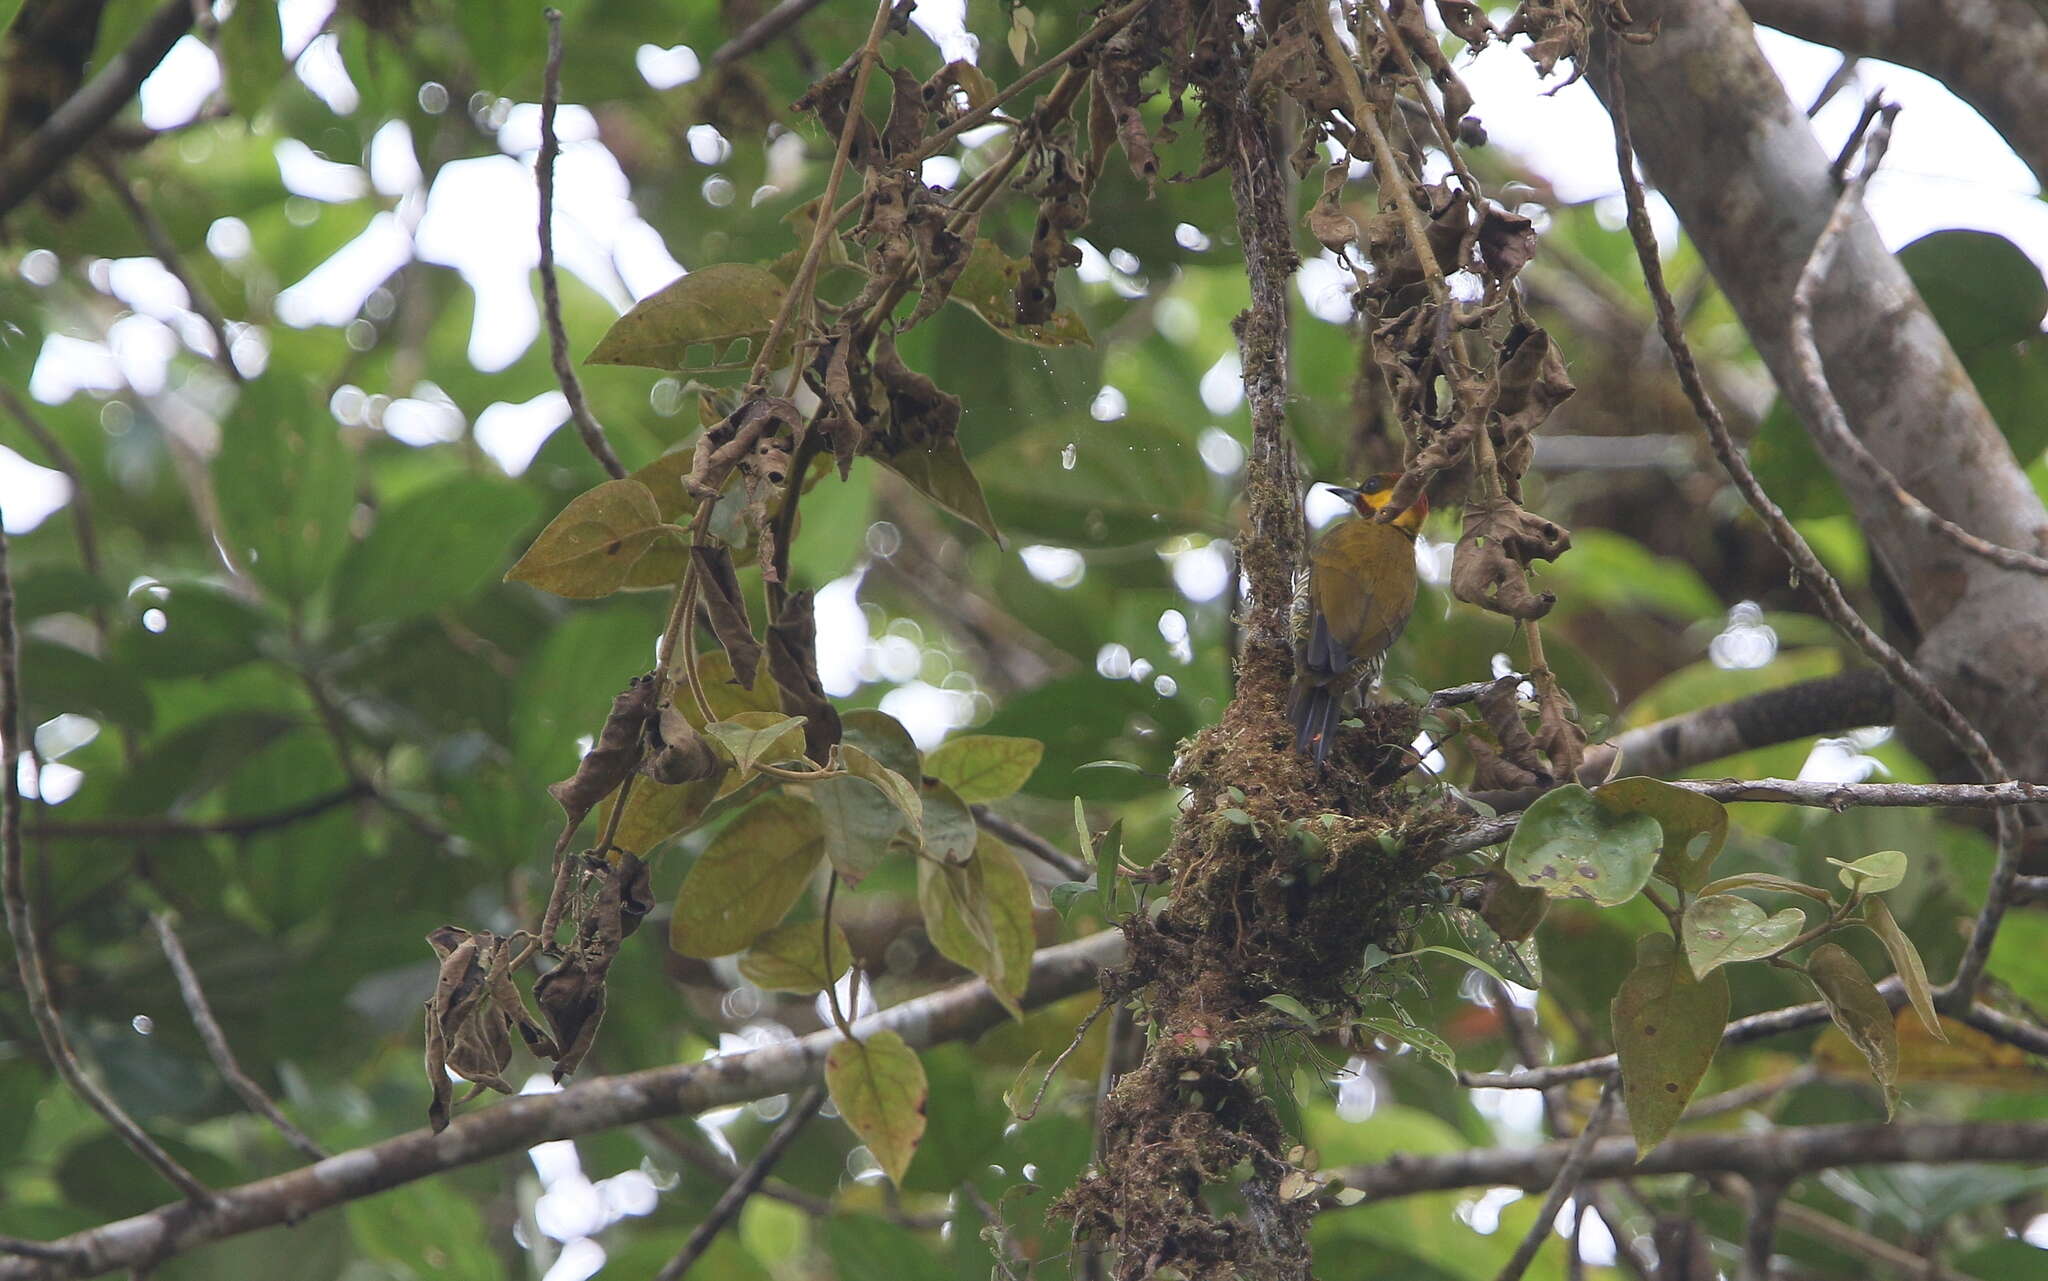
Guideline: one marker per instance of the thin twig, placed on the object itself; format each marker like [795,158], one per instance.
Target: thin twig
[153,828]
[60,458]
[1829,420]
[22,925]
[735,1197]
[550,289]
[1561,1186]
[1761,1235]
[165,249]
[71,127]
[764,30]
[36,1250]
[807,271]
[1031,843]
[1807,567]
[217,1044]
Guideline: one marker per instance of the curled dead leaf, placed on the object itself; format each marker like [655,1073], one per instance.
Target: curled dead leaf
[618,750]
[1499,541]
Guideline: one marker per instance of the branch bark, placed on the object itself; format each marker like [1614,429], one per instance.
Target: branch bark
[956,1013]
[1989,52]
[1778,1156]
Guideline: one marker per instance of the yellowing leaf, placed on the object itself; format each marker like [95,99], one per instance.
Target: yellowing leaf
[979,916]
[754,737]
[1961,1056]
[1873,873]
[727,697]
[793,958]
[984,767]
[713,306]
[878,1085]
[1569,845]
[588,550]
[1667,1025]
[1906,961]
[1860,1011]
[1721,929]
[656,811]
[1695,826]
[940,472]
[750,876]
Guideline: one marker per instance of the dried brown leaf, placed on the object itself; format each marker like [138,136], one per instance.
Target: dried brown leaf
[618,749]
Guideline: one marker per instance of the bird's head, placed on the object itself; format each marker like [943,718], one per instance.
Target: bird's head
[1375,492]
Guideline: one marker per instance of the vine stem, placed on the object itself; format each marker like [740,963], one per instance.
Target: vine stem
[807,272]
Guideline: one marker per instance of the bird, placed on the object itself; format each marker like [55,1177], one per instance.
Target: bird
[1350,605]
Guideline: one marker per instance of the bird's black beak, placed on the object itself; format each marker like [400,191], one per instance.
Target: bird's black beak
[1348,495]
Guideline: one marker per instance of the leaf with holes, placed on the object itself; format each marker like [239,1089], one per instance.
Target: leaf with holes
[794,958]
[712,307]
[1695,826]
[1667,1025]
[1721,929]
[587,551]
[878,1085]
[1912,971]
[1861,1011]
[984,767]
[754,737]
[1569,845]
[750,876]
[1873,873]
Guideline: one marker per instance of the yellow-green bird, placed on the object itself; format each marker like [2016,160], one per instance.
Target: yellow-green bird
[1349,607]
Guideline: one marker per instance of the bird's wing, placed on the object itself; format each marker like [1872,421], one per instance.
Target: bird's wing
[1346,603]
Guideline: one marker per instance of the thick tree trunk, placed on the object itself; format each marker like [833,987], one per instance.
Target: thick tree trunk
[1741,165]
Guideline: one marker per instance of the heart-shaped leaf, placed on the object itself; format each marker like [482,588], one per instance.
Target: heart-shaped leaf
[879,1086]
[1695,826]
[1721,929]
[588,550]
[1873,873]
[1667,1025]
[1569,845]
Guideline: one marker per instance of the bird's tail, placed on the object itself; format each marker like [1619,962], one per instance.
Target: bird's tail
[1312,710]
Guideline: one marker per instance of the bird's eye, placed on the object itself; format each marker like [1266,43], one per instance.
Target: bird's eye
[1374,485]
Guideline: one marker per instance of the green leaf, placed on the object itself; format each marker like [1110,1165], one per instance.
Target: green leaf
[1721,929]
[251,51]
[1873,873]
[1982,288]
[1667,1025]
[713,306]
[979,916]
[878,1085]
[57,678]
[881,736]
[1432,1046]
[753,872]
[859,820]
[984,767]
[1519,962]
[1293,1009]
[286,485]
[793,958]
[1765,881]
[588,550]
[1695,826]
[1109,850]
[754,737]
[940,472]
[728,698]
[1463,958]
[1906,961]
[987,286]
[206,631]
[1860,1010]
[1569,845]
[433,549]
[949,831]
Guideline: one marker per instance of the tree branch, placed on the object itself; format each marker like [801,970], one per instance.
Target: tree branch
[764,30]
[550,289]
[1847,700]
[71,126]
[735,1196]
[1776,1156]
[1569,1172]
[151,828]
[1988,52]
[22,926]
[955,1013]
[217,1044]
